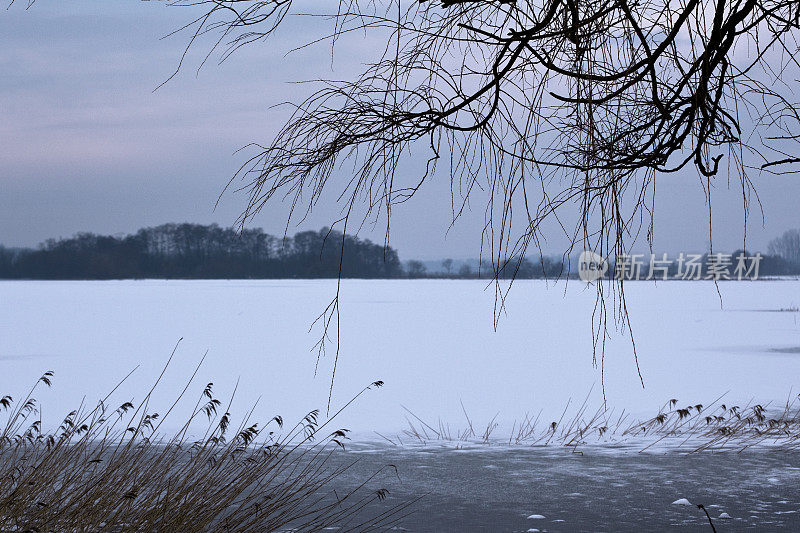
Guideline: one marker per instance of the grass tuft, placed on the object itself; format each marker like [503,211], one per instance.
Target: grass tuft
[109,468]
[693,428]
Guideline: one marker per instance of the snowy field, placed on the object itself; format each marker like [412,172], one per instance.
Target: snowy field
[431,341]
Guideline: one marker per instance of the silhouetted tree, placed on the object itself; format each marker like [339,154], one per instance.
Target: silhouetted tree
[448,266]
[465,271]
[415,269]
[787,246]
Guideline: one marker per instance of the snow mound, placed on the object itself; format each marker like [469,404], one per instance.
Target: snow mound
[533,530]
[682,501]
[725,516]
[536,517]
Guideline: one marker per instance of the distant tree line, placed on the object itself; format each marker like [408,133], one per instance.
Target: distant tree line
[513,268]
[198,251]
[193,251]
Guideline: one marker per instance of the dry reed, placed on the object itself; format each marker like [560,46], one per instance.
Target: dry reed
[110,469]
[692,428]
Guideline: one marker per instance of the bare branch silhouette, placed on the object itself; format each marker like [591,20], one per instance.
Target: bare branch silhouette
[548,107]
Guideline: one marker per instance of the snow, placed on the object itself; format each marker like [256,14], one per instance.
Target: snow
[725,516]
[536,517]
[431,341]
[682,501]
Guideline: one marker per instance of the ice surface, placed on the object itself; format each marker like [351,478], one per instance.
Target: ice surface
[431,341]
[460,495]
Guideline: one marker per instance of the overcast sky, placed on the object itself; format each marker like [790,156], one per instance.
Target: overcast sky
[87,145]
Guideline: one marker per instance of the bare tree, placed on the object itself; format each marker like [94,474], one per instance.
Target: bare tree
[559,110]
[448,266]
[416,269]
[787,246]
[465,271]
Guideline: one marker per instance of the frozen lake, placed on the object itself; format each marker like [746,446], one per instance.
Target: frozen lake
[498,490]
[434,346]
[431,341]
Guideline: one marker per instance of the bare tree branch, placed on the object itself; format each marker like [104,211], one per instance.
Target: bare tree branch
[583,105]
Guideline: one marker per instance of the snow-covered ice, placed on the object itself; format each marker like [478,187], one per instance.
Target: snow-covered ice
[431,341]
